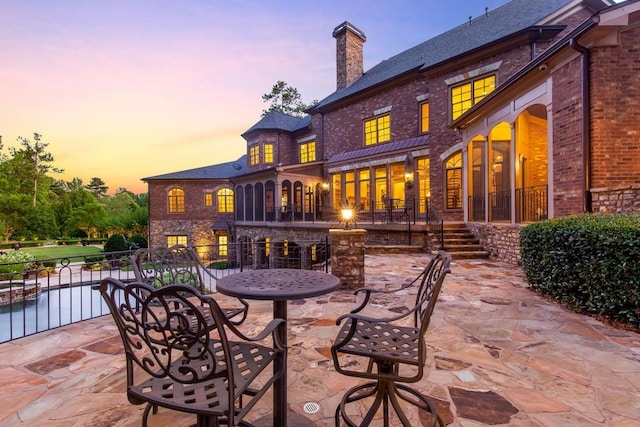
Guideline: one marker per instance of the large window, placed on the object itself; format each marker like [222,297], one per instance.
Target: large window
[364,182]
[268,153]
[336,187]
[308,152]
[377,130]
[424,183]
[254,155]
[424,117]
[176,240]
[468,94]
[225,200]
[350,188]
[381,195]
[176,200]
[453,170]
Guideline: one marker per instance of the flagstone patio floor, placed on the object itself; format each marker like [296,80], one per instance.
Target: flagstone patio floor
[499,354]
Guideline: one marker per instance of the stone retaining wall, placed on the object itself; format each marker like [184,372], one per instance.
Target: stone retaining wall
[502,241]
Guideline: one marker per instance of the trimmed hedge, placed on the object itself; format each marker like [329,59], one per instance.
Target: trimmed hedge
[591,262]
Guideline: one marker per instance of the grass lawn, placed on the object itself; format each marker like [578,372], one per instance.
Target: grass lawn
[74,252]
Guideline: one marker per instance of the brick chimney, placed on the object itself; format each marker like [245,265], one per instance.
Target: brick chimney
[349,43]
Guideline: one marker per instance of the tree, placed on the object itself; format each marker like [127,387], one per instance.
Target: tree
[35,161]
[285,99]
[97,187]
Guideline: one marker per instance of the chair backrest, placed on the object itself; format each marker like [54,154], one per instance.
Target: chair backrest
[431,280]
[164,331]
[162,266]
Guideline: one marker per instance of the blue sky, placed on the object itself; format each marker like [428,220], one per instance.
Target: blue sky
[125,89]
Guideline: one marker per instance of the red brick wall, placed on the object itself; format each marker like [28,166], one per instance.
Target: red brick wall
[567,142]
[615,112]
[194,191]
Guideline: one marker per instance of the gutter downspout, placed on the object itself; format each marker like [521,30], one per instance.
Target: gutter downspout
[586,125]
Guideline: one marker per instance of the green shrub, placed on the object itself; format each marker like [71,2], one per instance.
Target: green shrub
[591,262]
[14,264]
[139,240]
[93,259]
[116,243]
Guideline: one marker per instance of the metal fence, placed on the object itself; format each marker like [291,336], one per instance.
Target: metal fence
[53,292]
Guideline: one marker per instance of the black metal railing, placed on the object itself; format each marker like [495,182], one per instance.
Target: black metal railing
[436,224]
[532,203]
[500,206]
[36,296]
[476,207]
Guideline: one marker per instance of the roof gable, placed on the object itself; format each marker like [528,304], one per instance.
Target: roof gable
[275,120]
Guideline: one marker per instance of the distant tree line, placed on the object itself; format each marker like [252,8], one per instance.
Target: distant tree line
[36,206]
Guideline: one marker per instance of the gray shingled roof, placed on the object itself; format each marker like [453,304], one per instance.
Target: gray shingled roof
[219,171]
[380,149]
[499,23]
[275,120]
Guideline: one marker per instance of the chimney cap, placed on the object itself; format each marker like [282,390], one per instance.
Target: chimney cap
[346,25]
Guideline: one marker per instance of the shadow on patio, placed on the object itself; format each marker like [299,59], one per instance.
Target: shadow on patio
[498,354]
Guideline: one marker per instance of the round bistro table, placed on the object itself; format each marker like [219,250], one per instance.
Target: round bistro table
[279,285]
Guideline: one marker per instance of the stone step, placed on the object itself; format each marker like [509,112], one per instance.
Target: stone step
[463,247]
[470,255]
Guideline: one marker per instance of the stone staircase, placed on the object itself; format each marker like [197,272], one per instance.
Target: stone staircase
[461,243]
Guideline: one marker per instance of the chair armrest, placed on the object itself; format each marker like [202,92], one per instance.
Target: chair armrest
[369,291]
[268,330]
[356,317]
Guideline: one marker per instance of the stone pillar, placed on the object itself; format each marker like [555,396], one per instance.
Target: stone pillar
[347,256]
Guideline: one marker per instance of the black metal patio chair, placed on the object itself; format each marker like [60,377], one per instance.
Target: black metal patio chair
[391,351]
[178,359]
[178,264]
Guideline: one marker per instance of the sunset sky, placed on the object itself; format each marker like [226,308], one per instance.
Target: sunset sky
[126,89]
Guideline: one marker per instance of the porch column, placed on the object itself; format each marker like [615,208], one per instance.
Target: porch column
[347,256]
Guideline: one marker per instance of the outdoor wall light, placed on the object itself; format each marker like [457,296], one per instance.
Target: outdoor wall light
[325,187]
[408,179]
[347,217]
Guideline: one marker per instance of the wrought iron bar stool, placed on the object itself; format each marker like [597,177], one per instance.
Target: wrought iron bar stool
[393,352]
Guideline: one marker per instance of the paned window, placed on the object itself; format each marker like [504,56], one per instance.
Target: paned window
[176,200]
[223,245]
[176,240]
[225,200]
[424,184]
[468,94]
[365,188]
[254,155]
[308,152]
[453,169]
[208,199]
[268,153]
[424,117]
[377,130]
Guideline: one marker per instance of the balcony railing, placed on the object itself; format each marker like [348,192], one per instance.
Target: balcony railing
[532,204]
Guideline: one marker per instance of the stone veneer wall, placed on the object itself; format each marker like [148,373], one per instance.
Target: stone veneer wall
[624,198]
[502,241]
[197,232]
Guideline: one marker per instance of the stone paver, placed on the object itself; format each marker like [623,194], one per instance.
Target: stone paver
[499,354]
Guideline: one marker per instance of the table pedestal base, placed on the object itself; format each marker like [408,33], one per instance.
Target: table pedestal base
[293,420]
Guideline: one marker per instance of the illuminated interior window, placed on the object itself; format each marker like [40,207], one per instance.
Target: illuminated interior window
[377,130]
[254,155]
[468,94]
[308,152]
[268,153]
[424,117]
[225,200]
[453,169]
[364,182]
[176,200]
[336,187]
[176,240]
[208,199]
[424,183]
[223,245]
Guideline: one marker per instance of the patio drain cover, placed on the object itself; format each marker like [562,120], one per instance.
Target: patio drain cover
[311,407]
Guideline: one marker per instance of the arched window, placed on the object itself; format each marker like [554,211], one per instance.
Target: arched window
[175,199]
[453,183]
[225,200]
